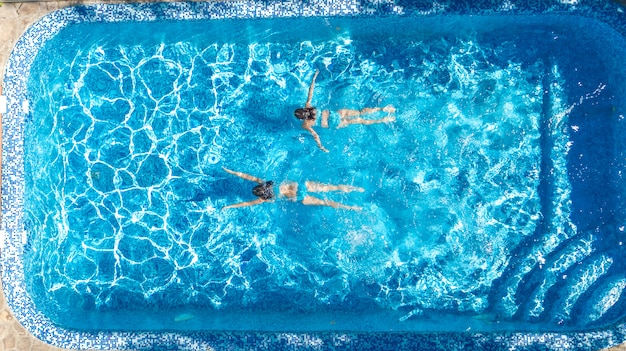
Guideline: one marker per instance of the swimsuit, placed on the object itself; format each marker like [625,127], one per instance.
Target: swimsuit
[301,193]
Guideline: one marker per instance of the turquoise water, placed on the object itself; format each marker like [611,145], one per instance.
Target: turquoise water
[467,195]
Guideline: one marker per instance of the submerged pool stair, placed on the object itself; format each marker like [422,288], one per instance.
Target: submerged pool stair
[559,276]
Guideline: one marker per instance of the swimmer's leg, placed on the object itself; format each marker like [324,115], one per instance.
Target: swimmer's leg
[348,116]
[315,187]
[348,113]
[313,201]
[358,120]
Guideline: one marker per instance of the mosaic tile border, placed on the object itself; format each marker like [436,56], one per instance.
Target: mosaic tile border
[11,231]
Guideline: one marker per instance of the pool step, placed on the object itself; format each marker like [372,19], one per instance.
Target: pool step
[579,284]
[604,303]
[554,229]
[562,275]
[539,286]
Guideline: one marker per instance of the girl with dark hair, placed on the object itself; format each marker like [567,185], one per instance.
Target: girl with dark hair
[308,115]
[264,192]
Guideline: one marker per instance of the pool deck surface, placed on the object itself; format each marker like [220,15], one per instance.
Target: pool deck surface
[15,18]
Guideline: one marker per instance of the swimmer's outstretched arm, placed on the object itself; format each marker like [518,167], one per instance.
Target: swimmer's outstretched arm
[308,128]
[244,176]
[313,201]
[315,187]
[310,97]
[245,204]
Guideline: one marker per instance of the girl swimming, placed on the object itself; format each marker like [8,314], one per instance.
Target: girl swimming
[264,192]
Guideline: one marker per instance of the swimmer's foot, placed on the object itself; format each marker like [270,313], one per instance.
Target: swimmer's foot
[316,187]
[389,109]
[388,119]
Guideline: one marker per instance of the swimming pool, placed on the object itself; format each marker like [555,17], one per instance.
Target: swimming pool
[491,204]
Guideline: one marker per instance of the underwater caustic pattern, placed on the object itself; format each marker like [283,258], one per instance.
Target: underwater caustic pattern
[127,142]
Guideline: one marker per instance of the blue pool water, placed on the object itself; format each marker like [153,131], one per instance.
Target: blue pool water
[483,201]
[492,211]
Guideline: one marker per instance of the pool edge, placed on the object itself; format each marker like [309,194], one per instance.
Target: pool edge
[191,339]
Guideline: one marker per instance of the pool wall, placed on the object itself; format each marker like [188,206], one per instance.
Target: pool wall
[12,233]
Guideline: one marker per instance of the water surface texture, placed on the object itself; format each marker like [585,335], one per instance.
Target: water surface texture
[483,202]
